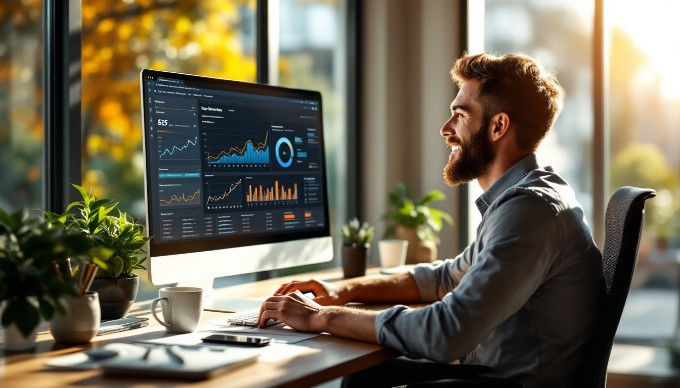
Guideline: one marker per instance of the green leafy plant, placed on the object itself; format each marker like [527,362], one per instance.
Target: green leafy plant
[33,270]
[418,214]
[108,227]
[355,233]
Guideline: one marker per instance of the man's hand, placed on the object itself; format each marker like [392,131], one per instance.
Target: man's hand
[304,314]
[326,294]
[295,309]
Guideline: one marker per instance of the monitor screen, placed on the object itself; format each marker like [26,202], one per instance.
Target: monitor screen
[235,177]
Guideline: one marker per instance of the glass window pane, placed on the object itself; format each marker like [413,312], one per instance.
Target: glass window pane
[120,38]
[644,99]
[21,125]
[560,34]
[312,55]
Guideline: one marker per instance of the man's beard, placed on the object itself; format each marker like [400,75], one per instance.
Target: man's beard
[474,159]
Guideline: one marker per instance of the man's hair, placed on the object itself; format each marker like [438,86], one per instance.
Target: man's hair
[517,85]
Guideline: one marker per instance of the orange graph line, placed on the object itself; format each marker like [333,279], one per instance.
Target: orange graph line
[240,151]
[181,198]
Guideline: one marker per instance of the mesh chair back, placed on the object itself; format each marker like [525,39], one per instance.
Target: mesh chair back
[623,226]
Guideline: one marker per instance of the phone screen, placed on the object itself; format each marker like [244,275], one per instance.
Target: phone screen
[237,339]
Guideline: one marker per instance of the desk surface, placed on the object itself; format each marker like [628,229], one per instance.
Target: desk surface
[305,363]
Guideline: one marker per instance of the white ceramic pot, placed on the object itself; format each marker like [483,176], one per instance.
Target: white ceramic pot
[15,340]
[81,321]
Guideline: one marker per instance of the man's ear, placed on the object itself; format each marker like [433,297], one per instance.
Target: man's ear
[500,124]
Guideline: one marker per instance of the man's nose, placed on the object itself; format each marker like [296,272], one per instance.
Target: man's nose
[447,129]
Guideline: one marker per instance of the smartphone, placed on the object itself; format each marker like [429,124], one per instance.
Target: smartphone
[237,339]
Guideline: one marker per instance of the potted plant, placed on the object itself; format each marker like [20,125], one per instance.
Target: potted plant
[416,221]
[356,241]
[34,279]
[107,226]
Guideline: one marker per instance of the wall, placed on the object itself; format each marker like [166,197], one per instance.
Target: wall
[408,50]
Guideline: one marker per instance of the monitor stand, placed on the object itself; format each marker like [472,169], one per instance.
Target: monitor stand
[213,301]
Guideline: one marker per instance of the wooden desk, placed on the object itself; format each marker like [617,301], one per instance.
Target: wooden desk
[305,363]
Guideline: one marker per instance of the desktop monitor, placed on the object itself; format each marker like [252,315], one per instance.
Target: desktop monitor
[235,178]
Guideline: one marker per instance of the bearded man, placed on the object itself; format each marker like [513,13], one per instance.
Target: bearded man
[523,297]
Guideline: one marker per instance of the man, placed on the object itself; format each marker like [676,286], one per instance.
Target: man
[523,297]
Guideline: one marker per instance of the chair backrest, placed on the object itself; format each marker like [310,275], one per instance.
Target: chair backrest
[623,226]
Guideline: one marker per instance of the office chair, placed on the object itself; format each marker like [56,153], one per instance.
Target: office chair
[623,227]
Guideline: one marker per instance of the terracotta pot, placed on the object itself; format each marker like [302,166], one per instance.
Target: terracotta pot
[116,296]
[418,251]
[354,260]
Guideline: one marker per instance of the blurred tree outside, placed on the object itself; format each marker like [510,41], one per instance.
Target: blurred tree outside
[21,125]
[645,165]
[120,38]
[639,150]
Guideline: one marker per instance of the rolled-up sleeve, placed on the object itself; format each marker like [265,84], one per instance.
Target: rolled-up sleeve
[507,268]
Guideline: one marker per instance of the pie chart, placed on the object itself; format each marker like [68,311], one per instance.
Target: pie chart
[284,152]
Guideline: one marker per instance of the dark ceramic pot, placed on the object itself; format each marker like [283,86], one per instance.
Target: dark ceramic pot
[116,296]
[354,260]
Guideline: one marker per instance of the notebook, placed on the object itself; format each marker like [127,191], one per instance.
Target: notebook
[178,362]
[181,362]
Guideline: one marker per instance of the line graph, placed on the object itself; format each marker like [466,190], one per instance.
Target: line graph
[222,195]
[179,195]
[243,152]
[170,151]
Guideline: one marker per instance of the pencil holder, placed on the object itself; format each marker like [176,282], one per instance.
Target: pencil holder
[81,321]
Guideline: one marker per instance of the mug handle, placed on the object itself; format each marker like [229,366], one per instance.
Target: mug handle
[167,305]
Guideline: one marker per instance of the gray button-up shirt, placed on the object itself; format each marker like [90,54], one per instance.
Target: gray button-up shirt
[522,298]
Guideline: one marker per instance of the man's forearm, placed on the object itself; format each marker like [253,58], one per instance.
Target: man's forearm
[349,323]
[399,288]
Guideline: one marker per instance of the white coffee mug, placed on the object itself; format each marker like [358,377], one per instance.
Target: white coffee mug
[182,308]
[392,252]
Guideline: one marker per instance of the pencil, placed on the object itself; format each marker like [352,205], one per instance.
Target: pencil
[57,271]
[92,274]
[86,278]
[69,267]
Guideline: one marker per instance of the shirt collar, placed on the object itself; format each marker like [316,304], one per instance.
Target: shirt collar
[507,180]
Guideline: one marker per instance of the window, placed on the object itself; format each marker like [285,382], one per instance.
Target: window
[642,104]
[560,35]
[644,100]
[312,55]
[21,125]
[206,38]
[120,39]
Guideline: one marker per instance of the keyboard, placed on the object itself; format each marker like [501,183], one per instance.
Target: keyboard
[248,318]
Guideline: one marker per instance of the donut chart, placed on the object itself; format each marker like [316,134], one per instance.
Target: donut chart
[284,152]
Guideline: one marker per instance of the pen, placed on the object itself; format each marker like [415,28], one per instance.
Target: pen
[169,350]
[122,327]
[173,354]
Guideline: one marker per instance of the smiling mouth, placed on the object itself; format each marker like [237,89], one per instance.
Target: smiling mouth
[454,150]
